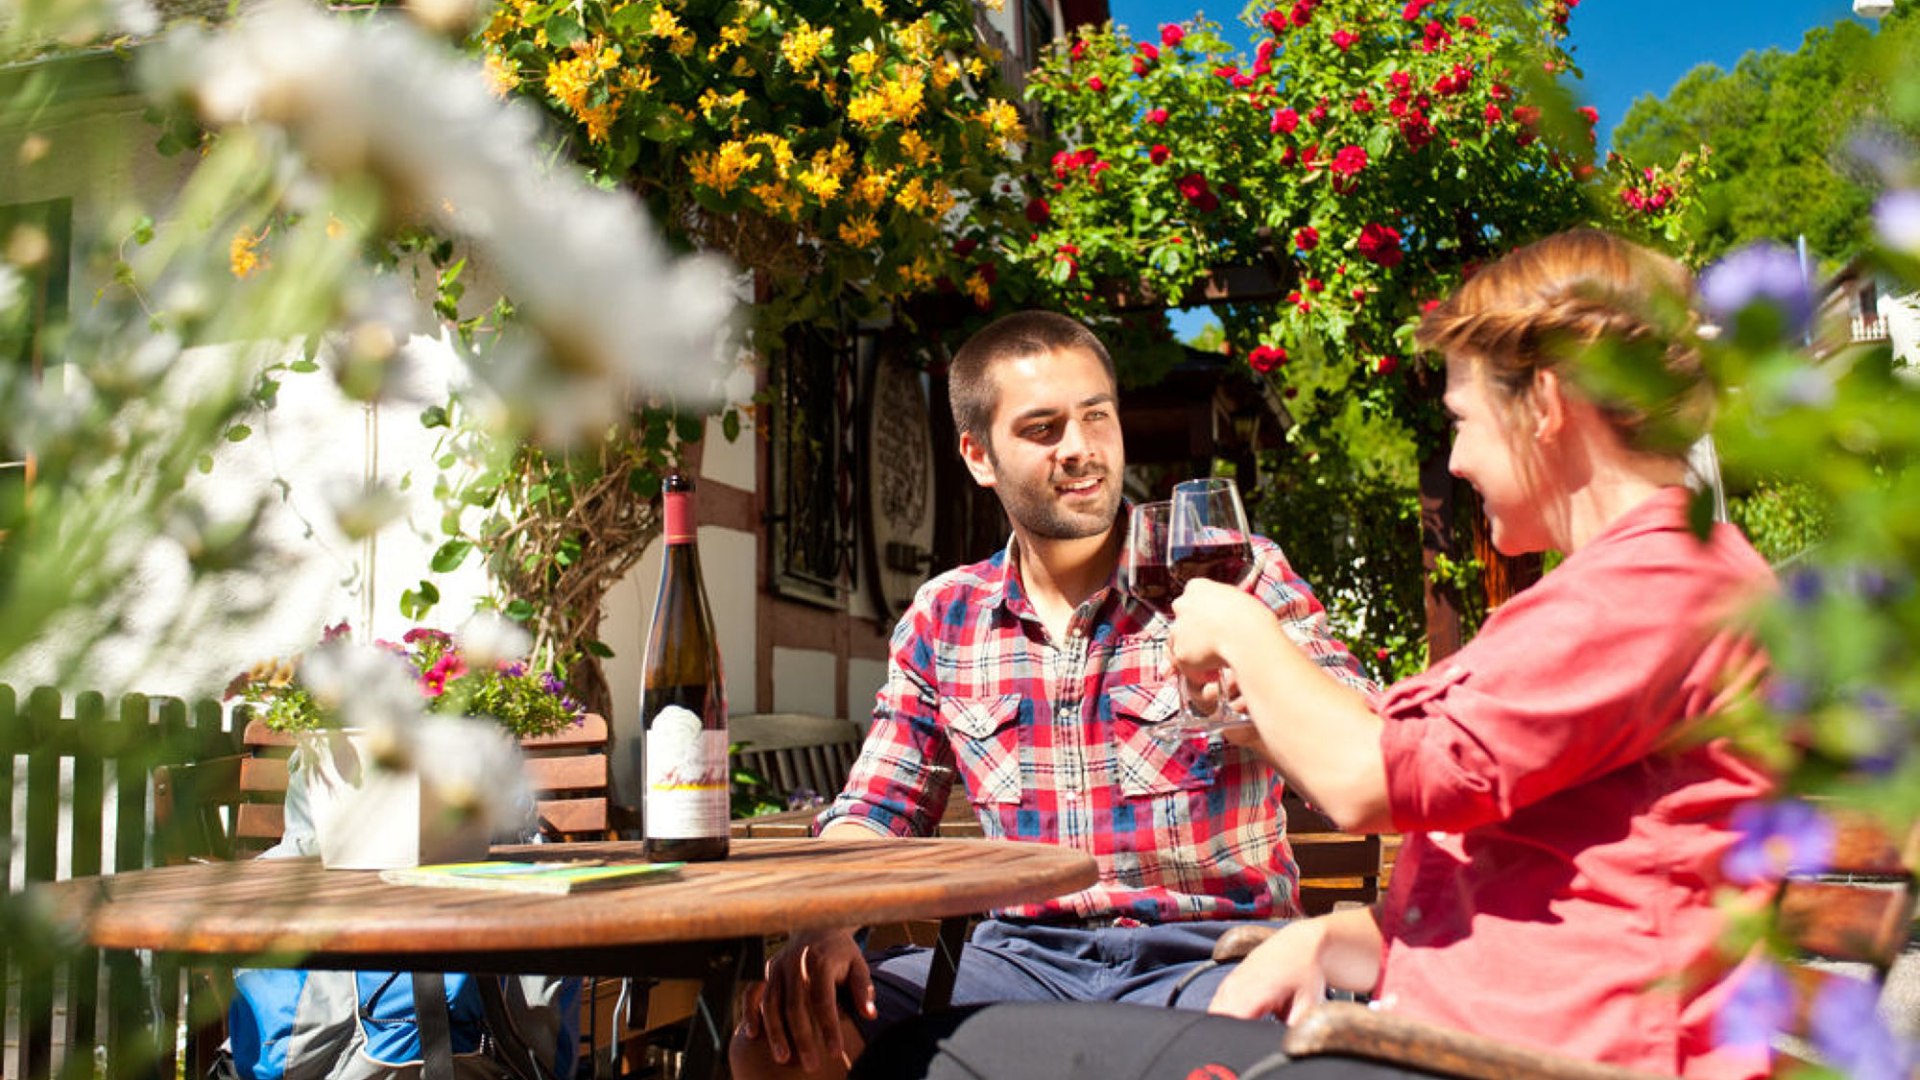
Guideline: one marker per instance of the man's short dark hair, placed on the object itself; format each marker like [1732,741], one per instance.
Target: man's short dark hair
[970,386]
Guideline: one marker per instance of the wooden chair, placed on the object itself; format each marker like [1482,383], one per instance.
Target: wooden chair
[234,807]
[1860,912]
[797,750]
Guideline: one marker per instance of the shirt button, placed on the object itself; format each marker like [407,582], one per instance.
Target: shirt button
[1065,713]
[1072,794]
[1412,917]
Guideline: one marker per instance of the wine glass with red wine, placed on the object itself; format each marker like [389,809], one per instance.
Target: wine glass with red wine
[1207,537]
[1146,573]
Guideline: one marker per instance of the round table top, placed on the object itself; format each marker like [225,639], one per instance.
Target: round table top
[262,906]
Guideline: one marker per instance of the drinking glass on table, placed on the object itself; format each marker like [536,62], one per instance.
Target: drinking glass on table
[1207,537]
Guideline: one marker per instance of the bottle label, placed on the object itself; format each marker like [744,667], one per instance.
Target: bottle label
[677,514]
[686,777]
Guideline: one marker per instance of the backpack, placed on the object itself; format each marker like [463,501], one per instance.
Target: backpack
[296,1024]
[292,1024]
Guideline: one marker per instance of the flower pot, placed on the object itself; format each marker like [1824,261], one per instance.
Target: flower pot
[367,815]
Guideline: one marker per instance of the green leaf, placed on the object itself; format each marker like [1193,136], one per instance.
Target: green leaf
[730,425]
[435,416]
[519,611]
[238,433]
[304,366]
[450,555]
[564,32]
[598,648]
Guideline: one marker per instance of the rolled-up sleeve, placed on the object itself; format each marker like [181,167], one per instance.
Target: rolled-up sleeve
[898,786]
[1551,694]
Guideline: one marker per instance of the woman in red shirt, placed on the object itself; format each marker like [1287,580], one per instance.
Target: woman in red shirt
[1565,806]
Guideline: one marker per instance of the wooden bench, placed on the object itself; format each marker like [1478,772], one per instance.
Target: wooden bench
[796,752]
[1860,913]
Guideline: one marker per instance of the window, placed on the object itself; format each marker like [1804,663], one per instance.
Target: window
[37,238]
[812,493]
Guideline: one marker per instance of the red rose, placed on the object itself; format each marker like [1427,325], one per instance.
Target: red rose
[1302,13]
[1157,117]
[1435,37]
[1318,114]
[1141,67]
[1193,188]
[1386,364]
[1158,155]
[965,246]
[1171,35]
[1417,130]
[1428,305]
[1265,359]
[1362,104]
[1343,39]
[1094,170]
[1498,92]
[1315,285]
[1265,52]
[1401,81]
[1492,113]
[1275,22]
[1149,50]
[1359,296]
[1350,160]
[1284,120]
[1078,49]
[1096,84]
[1307,238]
[1380,244]
[1468,22]
[1528,115]
[1592,114]
[1290,393]
[1411,12]
[1380,656]
[1226,71]
[1038,211]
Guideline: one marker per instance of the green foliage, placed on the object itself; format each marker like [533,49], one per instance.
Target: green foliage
[1783,520]
[749,794]
[1779,125]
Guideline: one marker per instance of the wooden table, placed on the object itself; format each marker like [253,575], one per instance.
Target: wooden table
[708,923]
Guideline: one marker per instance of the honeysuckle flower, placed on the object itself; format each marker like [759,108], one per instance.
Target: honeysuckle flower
[1777,838]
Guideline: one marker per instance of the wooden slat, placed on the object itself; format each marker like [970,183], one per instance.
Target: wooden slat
[260,821]
[1839,921]
[1337,857]
[576,773]
[41,859]
[263,777]
[589,734]
[85,816]
[572,816]
[1346,1028]
[12,742]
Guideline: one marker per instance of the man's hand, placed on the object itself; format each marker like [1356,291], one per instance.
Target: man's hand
[797,1008]
[1282,977]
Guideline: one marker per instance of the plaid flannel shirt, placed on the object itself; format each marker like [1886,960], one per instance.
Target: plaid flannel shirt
[1054,743]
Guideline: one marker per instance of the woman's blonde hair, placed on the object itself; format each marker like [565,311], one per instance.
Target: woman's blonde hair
[1564,302]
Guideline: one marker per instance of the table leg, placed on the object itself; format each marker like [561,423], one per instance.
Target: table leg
[711,1028]
[945,965]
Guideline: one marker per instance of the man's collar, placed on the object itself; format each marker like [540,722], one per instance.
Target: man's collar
[1005,589]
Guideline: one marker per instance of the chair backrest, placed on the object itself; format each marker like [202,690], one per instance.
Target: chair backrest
[234,806]
[797,750]
[1860,910]
[1335,867]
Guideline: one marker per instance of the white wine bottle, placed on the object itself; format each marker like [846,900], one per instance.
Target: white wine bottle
[683,702]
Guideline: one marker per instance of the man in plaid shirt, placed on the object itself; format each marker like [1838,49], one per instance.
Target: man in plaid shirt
[1038,683]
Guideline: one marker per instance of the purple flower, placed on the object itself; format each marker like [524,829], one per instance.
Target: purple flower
[1847,1030]
[1760,1006]
[1759,274]
[1804,586]
[1788,695]
[516,669]
[1776,839]
[1887,732]
[1897,216]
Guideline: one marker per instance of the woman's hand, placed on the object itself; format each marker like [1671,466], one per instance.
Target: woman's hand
[1282,977]
[1209,619]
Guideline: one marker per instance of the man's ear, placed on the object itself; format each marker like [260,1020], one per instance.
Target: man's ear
[979,460]
[1549,405]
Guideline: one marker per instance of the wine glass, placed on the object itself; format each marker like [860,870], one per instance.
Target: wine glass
[1145,572]
[1207,537]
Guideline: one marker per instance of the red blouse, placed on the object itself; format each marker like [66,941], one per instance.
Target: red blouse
[1564,823]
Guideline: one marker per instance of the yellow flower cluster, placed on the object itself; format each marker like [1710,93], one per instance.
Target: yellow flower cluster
[1003,120]
[721,170]
[804,45]
[571,82]
[663,23]
[917,38]
[872,188]
[976,287]
[899,99]
[863,62]
[500,75]
[712,101]
[243,254]
[859,231]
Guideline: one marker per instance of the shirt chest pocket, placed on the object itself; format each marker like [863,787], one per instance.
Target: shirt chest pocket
[1147,760]
[986,745]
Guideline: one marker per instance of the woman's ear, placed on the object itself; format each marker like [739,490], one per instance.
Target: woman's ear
[1549,405]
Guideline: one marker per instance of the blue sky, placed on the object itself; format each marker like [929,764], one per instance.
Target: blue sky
[1625,48]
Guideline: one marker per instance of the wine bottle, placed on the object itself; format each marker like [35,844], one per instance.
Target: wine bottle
[683,705]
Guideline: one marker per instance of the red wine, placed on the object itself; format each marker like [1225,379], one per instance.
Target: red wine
[682,774]
[1157,587]
[1227,563]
